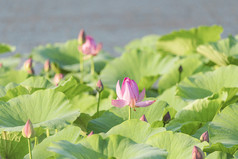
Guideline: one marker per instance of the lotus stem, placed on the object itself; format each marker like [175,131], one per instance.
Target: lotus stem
[47,132]
[29,147]
[99,94]
[92,66]
[81,66]
[36,140]
[179,77]
[129,113]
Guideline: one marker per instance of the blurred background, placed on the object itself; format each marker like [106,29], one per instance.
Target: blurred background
[27,24]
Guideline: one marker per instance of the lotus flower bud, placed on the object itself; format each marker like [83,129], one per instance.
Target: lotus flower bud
[58,78]
[99,86]
[0,65]
[204,137]
[81,37]
[143,118]
[91,133]
[180,69]
[166,118]
[47,66]
[28,130]
[197,153]
[28,64]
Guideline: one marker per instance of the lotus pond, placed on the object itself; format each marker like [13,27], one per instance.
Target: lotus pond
[173,96]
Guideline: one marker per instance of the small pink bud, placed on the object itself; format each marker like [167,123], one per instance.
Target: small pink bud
[99,86]
[82,37]
[57,78]
[166,118]
[28,64]
[197,153]
[204,137]
[143,118]
[91,133]
[0,65]
[28,130]
[47,66]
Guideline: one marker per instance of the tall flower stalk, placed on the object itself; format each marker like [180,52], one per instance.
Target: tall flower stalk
[99,88]
[129,95]
[28,132]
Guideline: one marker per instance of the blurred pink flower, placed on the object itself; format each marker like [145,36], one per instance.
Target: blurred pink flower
[28,64]
[197,153]
[90,47]
[143,118]
[81,37]
[128,94]
[47,66]
[28,131]
[57,78]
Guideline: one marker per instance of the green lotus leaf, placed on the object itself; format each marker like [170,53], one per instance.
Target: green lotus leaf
[67,56]
[13,145]
[203,85]
[116,116]
[136,65]
[223,52]
[6,48]
[178,145]
[10,62]
[138,131]
[219,155]
[12,76]
[172,99]
[194,116]
[70,133]
[45,108]
[223,131]
[184,42]
[190,65]
[113,146]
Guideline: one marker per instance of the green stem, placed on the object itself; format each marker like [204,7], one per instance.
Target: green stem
[36,141]
[129,113]
[179,77]
[92,65]
[47,132]
[98,103]
[81,65]
[29,148]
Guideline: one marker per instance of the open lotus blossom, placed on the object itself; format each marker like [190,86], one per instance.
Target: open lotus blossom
[128,94]
[90,47]
[28,131]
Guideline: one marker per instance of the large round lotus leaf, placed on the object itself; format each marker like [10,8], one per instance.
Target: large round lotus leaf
[178,145]
[142,67]
[10,62]
[223,130]
[203,85]
[12,76]
[12,145]
[138,131]
[194,116]
[172,99]
[45,108]
[190,66]
[116,116]
[70,133]
[219,155]
[223,52]
[113,146]
[184,42]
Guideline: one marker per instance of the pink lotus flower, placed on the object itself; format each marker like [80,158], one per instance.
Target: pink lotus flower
[204,137]
[47,66]
[28,131]
[28,64]
[90,47]
[57,78]
[99,86]
[128,94]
